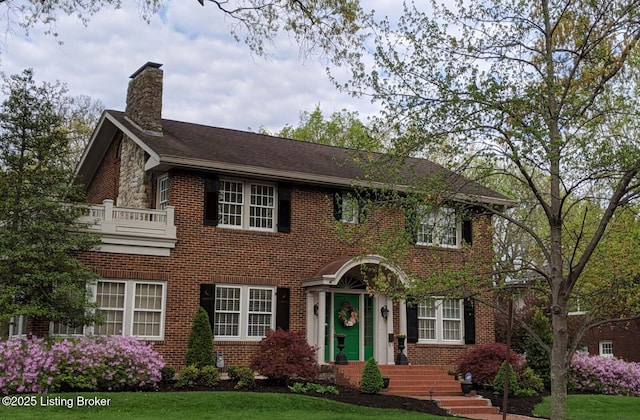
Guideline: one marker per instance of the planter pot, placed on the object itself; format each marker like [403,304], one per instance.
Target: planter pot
[466,387]
[385,382]
[341,358]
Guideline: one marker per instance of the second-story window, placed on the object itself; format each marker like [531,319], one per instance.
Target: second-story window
[163,192]
[246,205]
[439,227]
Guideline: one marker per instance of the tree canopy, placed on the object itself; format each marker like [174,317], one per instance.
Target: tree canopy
[342,129]
[327,26]
[547,92]
[39,207]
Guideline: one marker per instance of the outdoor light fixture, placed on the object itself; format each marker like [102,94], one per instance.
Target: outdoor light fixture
[384,311]
[315,309]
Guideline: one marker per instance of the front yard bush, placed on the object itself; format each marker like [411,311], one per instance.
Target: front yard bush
[109,363]
[595,374]
[483,362]
[371,379]
[243,376]
[498,380]
[200,345]
[285,355]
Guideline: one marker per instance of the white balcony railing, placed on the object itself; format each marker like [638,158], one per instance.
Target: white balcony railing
[132,231]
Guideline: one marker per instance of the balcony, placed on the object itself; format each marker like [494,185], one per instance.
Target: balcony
[132,231]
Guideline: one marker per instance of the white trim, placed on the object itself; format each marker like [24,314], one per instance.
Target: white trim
[332,279]
[167,161]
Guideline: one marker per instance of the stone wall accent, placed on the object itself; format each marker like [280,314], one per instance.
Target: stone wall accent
[134,183]
[144,98]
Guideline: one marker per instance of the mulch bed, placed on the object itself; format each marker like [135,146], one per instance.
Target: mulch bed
[517,405]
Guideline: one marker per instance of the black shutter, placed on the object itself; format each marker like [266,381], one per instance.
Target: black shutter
[362,209]
[282,308]
[208,300]
[467,232]
[337,206]
[469,321]
[211,201]
[412,322]
[411,224]
[284,208]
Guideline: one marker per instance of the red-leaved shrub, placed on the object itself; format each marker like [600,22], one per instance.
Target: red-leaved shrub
[285,355]
[483,361]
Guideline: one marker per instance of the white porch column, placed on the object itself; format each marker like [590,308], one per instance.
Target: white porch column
[402,307]
[322,315]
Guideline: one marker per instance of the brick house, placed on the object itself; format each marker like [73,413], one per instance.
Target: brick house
[243,224]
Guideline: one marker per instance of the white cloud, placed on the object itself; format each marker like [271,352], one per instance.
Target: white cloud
[209,78]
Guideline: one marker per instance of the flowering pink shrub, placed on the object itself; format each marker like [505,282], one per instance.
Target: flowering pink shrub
[87,363]
[604,375]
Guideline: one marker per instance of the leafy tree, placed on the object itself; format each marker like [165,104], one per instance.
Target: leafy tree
[342,129]
[40,276]
[330,26]
[200,345]
[547,92]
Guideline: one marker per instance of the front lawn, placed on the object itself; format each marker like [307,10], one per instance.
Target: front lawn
[196,405]
[594,407]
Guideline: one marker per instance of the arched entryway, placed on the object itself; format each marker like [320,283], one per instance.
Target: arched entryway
[340,286]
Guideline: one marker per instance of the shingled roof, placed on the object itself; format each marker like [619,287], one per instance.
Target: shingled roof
[200,147]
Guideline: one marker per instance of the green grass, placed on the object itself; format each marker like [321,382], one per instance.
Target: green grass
[204,405]
[595,407]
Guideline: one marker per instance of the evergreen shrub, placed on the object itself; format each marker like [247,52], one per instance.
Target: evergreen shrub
[371,379]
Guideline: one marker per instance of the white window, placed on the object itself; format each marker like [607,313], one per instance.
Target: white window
[350,209]
[606,348]
[18,326]
[246,205]
[440,227]
[61,328]
[132,308]
[440,321]
[163,192]
[243,312]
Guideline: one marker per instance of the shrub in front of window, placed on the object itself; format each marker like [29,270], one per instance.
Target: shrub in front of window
[200,345]
[604,375]
[243,376]
[110,363]
[371,379]
[483,362]
[285,355]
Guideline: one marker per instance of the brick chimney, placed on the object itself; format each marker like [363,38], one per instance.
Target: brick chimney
[144,98]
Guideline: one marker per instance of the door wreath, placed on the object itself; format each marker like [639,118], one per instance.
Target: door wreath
[348,315]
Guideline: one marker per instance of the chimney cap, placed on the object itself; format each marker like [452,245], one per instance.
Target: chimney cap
[147,64]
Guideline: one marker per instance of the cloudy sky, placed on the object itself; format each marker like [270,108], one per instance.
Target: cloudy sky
[209,78]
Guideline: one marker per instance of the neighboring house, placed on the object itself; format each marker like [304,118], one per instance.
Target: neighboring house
[615,339]
[243,224]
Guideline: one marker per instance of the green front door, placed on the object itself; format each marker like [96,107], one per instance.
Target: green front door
[352,333]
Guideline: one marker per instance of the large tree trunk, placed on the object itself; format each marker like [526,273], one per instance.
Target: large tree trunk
[559,366]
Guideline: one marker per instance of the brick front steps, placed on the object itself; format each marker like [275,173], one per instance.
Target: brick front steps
[420,381]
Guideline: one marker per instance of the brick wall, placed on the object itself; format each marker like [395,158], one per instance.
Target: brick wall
[207,254]
[106,181]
